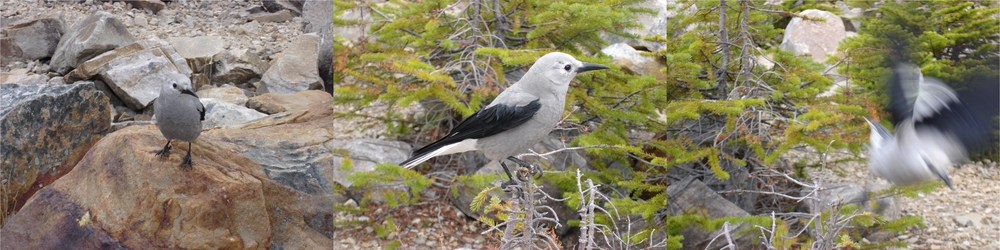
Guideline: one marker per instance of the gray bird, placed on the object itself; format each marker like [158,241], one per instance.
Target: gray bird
[517,119]
[935,127]
[178,113]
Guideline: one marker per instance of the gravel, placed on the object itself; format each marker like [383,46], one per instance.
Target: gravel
[977,186]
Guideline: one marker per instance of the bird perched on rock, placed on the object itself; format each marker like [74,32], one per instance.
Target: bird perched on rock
[935,127]
[178,113]
[517,119]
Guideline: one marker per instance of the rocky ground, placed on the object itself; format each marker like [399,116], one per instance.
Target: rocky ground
[947,213]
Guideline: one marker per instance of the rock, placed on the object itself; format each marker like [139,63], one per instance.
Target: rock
[14,76]
[652,24]
[273,103]
[28,40]
[41,68]
[814,38]
[318,18]
[137,200]
[222,113]
[56,80]
[237,66]
[295,6]
[294,148]
[969,220]
[88,38]
[46,129]
[691,194]
[276,17]
[228,94]
[633,62]
[112,98]
[838,194]
[154,6]
[295,69]
[198,51]
[33,80]
[135,71]
[364,154]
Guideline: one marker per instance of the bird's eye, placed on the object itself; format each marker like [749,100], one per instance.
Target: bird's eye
[175,85]
[567,67]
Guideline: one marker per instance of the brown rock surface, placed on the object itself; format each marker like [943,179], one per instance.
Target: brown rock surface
[138,200]
[46,129]
[272,103]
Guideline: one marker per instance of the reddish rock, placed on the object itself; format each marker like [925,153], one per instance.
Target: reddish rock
[46,129]
[139,201]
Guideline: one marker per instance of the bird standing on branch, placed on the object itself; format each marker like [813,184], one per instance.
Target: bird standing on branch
[517,119]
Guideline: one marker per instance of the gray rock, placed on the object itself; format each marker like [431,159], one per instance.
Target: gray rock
[633,62]
[318,18]
[237,66]
[690,193]
[41,68]
[652,24]
[228,94]
[198,51]
[46,129]
[88,38]
[969,220]
[295,6]
[154,6]
[364,154]
[222,113]
[295,69]
[276,17]
[28,40]
[103,87]
[135,71]
[814,38]
[838,193]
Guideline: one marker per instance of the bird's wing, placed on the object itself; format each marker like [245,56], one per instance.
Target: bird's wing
[486,122]
[911,95]
[971,119]
[200,107]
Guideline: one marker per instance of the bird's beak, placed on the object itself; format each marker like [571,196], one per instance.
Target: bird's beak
[189,92]
[590,66]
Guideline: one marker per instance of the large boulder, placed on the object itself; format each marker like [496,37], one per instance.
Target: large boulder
[88,38]
[226,93]
[295,69]
[816,37]
[237,66]
[634,62]
[32,39]
[134,72]
[295,6]
[121,195]
[46,130]
[692,196]
[293,148]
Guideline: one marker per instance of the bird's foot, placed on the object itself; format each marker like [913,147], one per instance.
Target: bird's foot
[512,186]
[187,162]
[164,152]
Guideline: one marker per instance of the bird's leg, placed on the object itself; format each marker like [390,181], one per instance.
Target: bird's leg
[166,150]
[510,182]
[187,159]
[535,169]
